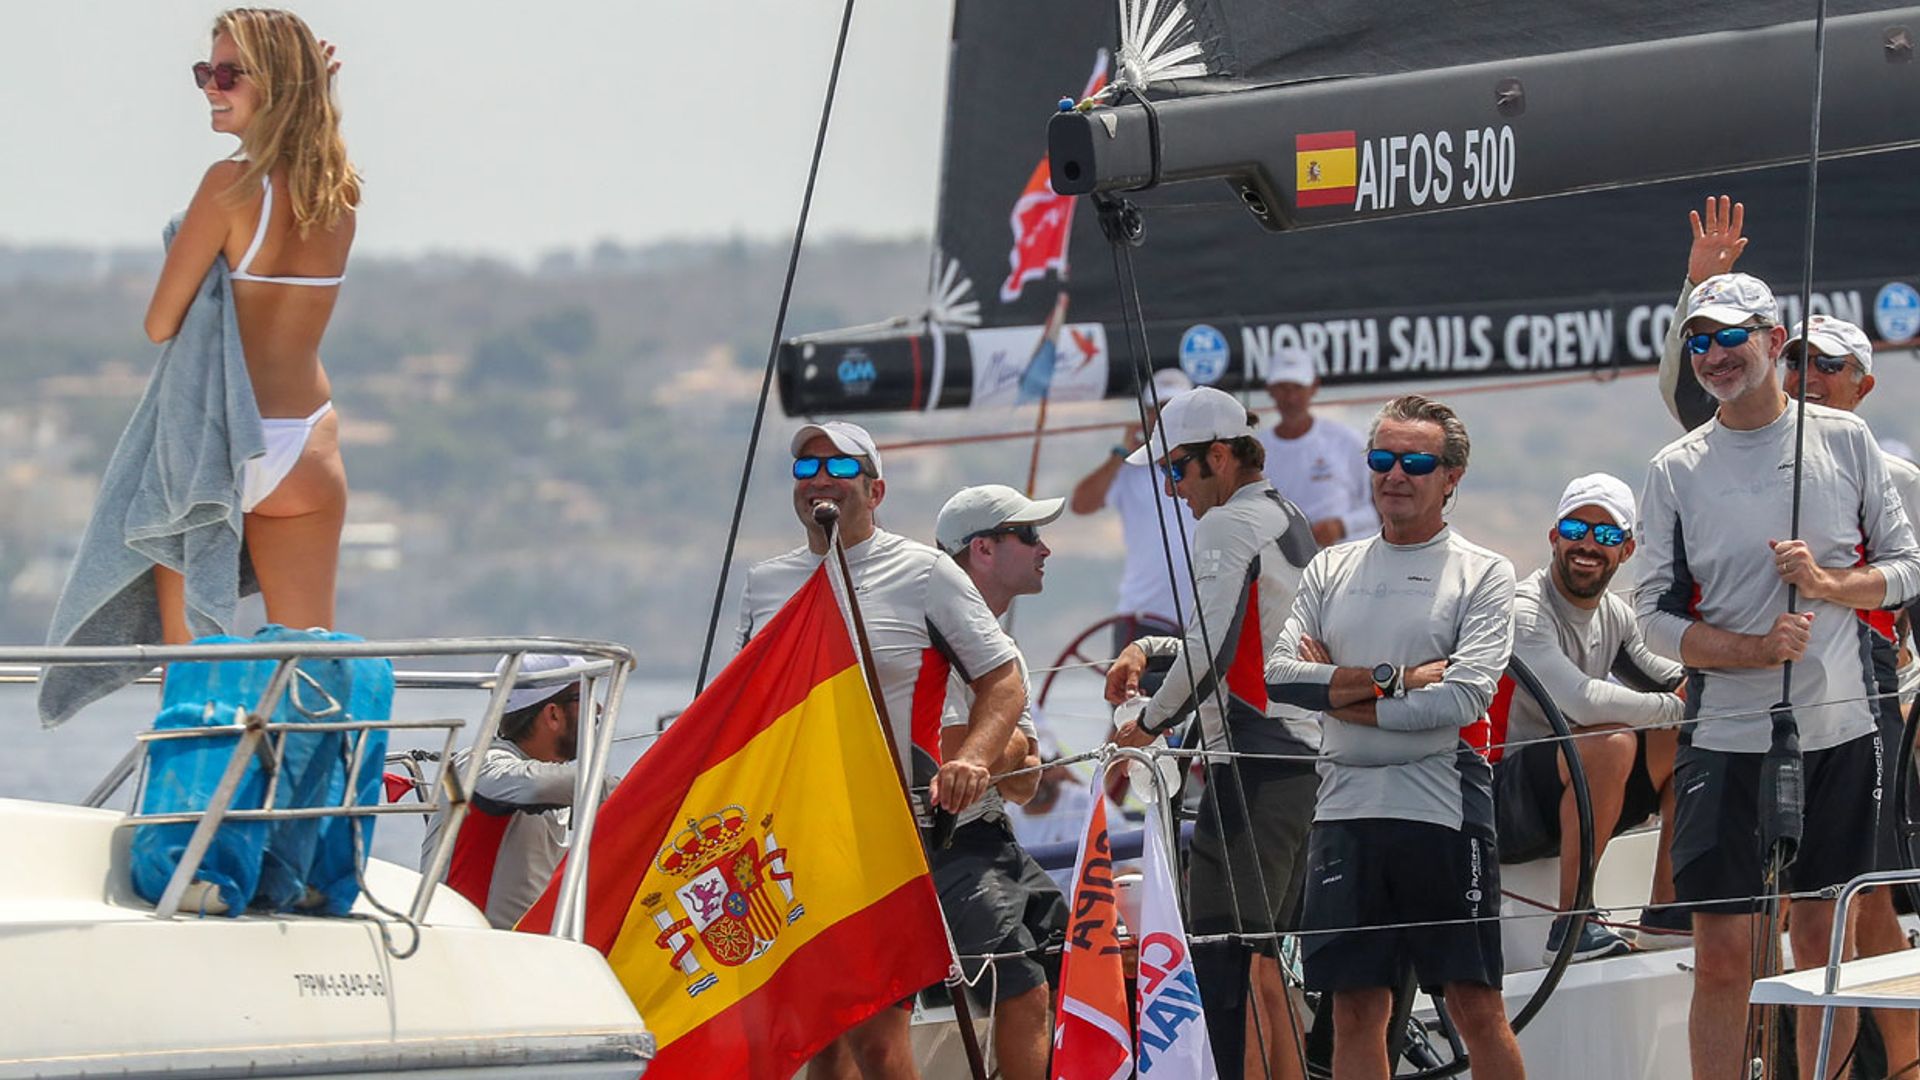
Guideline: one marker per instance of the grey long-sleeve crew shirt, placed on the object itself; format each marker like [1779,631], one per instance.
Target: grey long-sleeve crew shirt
[1247,557]
[1712,500]
[1372,602]
[1572,650]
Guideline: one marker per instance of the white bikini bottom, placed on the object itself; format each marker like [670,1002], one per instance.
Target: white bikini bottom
[286,439]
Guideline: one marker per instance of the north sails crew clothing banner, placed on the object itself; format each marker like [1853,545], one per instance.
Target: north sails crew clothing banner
[1713,498]
[1598,670]
[1324,473]
[514,838]
[1360,601]
[924,619]
[1137,498]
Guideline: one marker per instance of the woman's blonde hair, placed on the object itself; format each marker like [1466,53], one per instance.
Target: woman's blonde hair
[297,123]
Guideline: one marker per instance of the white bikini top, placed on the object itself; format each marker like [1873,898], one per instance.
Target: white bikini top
[242,273]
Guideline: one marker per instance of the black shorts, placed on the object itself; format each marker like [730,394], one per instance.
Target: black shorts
[1717,863]
[1380,872]
[1886,710]
[1267,861]
[998,900]
[1526,800]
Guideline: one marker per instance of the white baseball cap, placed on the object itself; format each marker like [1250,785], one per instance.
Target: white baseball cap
[1291,365]
[1731,299]
[1604,490]
[1838,337]
[536,664]
[1199,415]
[1169,382]
[847,438]
[976,509]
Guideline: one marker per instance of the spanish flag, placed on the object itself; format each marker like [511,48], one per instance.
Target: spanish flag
[1324,168]
[757,881]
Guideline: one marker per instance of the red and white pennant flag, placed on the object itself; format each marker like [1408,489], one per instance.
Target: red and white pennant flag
[1093,1040]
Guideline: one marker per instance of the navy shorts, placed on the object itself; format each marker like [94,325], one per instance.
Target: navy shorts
[1266,860]
[1379,872]
[998,900]
[1526,800]
[1717,863]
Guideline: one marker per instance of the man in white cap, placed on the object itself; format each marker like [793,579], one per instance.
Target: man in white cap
[1399,641]
[1146,603]
[1584,646]
[1715,518]
[1317,463]
[514,833]
[997,899]
[924,620]
[1249,546]
[1836,363]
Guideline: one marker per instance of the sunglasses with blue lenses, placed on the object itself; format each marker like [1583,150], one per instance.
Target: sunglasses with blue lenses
[1411,463]
[840,467]
[1573,530]
[1175,468]
[1729,337]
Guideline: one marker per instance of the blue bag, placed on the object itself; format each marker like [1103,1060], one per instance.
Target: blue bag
[182,774]
[308,863]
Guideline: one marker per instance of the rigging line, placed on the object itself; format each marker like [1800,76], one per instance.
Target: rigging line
[773,348]
[1143,367]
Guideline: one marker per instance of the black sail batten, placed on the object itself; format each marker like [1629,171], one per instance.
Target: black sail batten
[1544,287]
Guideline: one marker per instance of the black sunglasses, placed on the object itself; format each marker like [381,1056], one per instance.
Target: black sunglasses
[1026,534]
[839,466]
[1573,530]
[1826,365]
[222,76]
[1413,463]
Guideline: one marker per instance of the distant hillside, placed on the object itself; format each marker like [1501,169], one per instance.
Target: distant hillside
[555,450]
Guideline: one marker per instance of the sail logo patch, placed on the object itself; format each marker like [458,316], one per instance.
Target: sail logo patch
[1324,168]
[1896,312]
[1204,354]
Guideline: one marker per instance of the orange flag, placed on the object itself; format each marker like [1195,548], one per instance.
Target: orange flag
[757,883]
[1093,1039]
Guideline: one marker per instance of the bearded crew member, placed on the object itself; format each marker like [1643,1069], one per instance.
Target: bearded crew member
[1403,829]
[924,621]
[1584,646]
[1715,520]
[1248,547]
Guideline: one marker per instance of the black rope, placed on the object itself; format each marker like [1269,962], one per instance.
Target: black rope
[773,347]
[1782,781]
[1142,367]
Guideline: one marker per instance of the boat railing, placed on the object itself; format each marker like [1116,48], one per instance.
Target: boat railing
[1836,948]
[602,674]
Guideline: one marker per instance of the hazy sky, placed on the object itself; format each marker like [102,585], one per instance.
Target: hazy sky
[496,126]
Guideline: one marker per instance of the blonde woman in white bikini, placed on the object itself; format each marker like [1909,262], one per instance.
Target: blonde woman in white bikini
[282,212]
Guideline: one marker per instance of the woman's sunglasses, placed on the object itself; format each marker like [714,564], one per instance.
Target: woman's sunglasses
[222,76]
[1729,337]
[1573,530]
[1413,464]
[840,467]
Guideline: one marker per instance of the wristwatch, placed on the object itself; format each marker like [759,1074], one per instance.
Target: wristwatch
[1119,451]
[1386,681]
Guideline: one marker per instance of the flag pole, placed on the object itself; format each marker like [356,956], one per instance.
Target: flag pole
[827,516]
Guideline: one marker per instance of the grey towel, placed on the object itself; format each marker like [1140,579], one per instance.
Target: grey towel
[171,495]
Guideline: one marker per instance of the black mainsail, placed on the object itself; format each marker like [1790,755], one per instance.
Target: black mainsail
[1382,116]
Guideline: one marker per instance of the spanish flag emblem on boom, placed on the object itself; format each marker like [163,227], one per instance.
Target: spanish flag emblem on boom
[757,881]
[1324,165]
